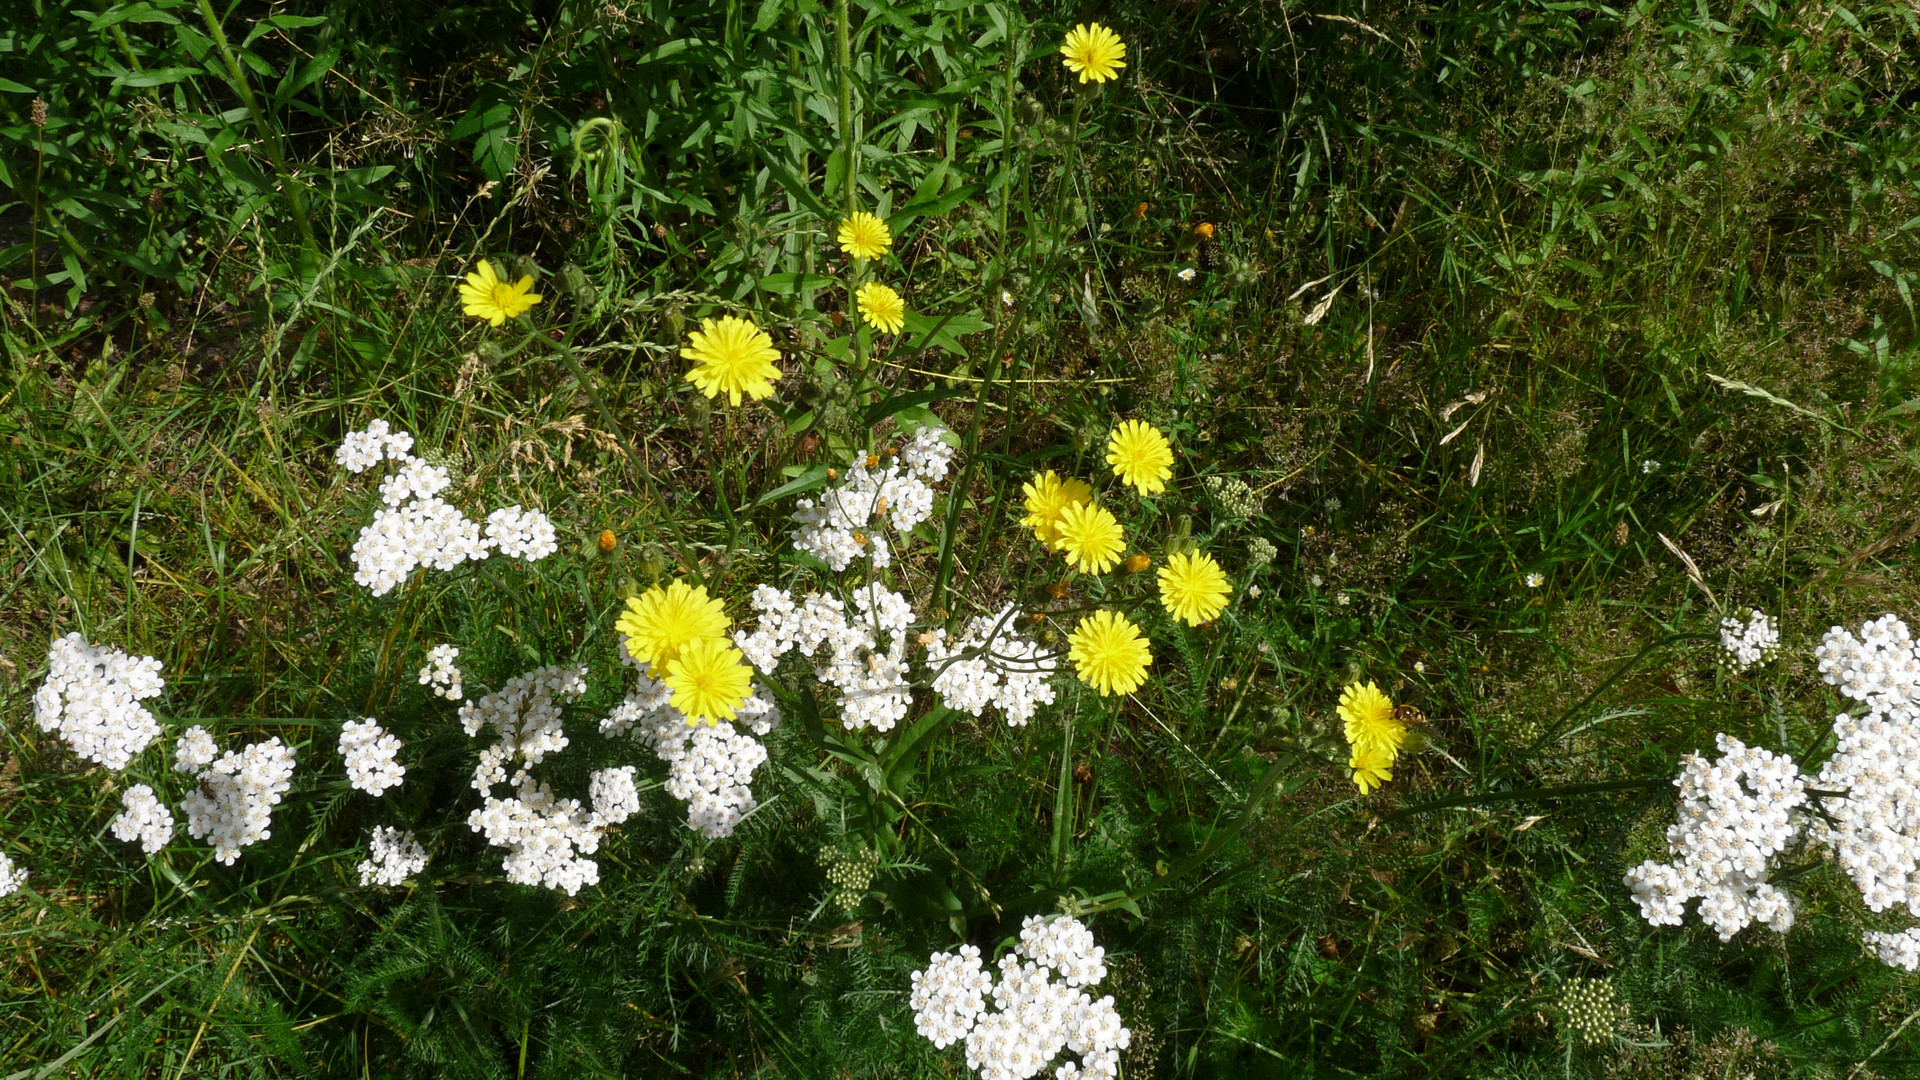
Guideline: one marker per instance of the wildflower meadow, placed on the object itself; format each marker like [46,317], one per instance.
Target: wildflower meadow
[849,538]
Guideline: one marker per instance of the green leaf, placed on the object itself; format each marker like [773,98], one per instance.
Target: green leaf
[812,480]
[880,410]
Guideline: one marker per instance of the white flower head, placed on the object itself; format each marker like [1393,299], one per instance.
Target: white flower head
[92,697]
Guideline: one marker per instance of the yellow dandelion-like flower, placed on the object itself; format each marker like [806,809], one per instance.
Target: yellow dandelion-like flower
[1372,766]
[1368,713]
[1108,653]
[1193,588]
[1094,53]
[1091,537]
[1140,456]
[660,622]
[1047,495]
[733,356]
[709,680]
[485,296]
[864,236]
[881,307]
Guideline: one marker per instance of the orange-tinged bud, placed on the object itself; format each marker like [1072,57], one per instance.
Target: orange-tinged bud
[607,540]
[1137,563]
[1140,211]
[1204,230]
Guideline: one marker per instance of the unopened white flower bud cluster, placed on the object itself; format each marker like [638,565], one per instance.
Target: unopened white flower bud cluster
[370,754]
[393,856]
[1033,1017]
[417,528]
[144,819]
[1752,642]
[440,676]
[547,838]
[710,768]
[91,697]
[232,807]
[1736,814]
[849,519]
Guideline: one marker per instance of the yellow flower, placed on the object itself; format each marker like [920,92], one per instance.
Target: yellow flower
[864,236]
[1193,588]
[1109,654]
[881,307]
[1372,766]
[1093,52]
[708,680]
[1140,456]
[734,356]
[484,296]
[1047,495]
[660,622]
[1091,537]
[1368,713]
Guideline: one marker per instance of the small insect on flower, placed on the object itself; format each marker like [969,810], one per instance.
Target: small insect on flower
[1408,714]
[484,295]
[864,236]
[1093,52]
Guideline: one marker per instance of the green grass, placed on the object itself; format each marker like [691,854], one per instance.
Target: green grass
[1472,269]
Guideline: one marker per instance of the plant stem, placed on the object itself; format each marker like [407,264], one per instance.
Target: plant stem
[269,134]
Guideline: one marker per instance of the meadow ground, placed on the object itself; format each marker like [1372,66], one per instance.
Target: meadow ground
[1503,350]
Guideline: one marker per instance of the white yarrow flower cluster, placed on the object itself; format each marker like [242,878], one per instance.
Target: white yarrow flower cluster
[710,768]
[369,752]
[440,676]
[194,750]
[393,856]
[1901,950]
[547,838]
[1751,642]
[1034,1017]
[848,520]
[91,697]
[991,664]
[613,794]
[144,819]
[233,805]
[362,450]
[417,528]
[12,878]
[1736,814]
[1875,829]
[521,534]
[872,685]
